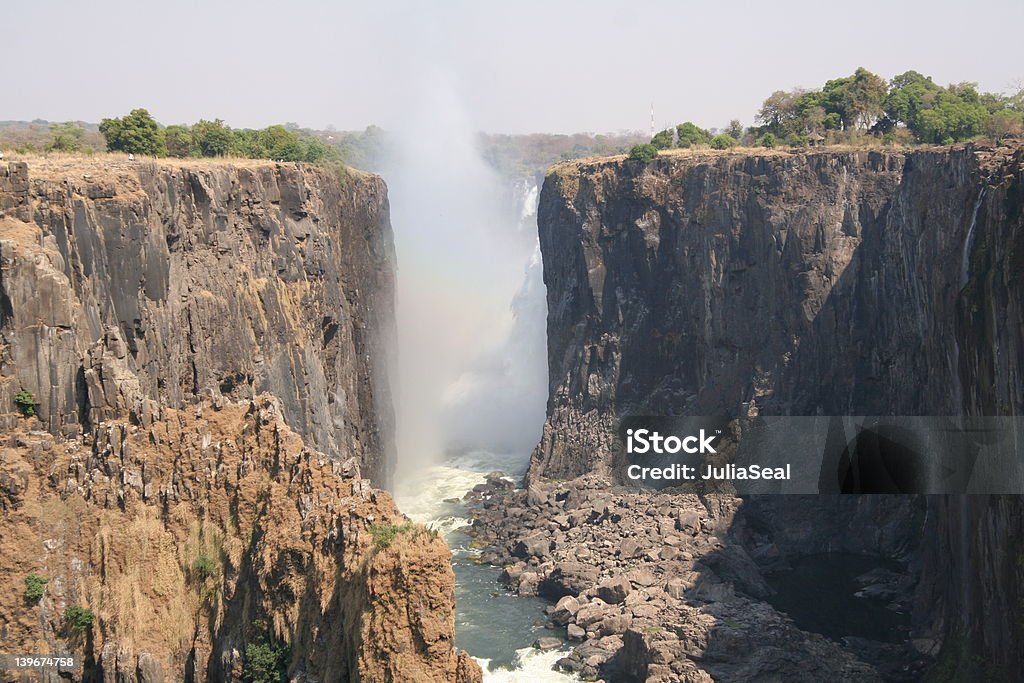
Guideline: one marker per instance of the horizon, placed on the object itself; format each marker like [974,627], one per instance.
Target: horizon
[515,70]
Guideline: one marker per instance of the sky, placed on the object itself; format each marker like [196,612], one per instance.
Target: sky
[525,66]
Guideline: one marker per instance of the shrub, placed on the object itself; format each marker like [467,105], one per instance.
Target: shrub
[203,568]
[723,141]
[25,402]
[78,618]
[35,586]
[645,152]
[67,137]
[767,140]
[384,534]
[266,662]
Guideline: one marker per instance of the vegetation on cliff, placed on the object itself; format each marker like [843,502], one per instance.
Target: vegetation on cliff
[910,108]
[138,133]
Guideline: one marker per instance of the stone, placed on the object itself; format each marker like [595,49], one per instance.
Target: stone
[546,643]
[564,610]
[614,591]
[568,578]
[537,545]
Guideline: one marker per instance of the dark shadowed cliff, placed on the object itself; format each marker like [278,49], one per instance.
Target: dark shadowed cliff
[828,282]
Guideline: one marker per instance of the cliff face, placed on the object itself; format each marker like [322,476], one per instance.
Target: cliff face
[204,351]
[857,283]
[206,532]
[200,280]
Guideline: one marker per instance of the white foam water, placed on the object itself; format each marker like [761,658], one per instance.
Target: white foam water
[529,666]
[493,626]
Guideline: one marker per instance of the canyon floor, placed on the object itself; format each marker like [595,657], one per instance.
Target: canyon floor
[662,587]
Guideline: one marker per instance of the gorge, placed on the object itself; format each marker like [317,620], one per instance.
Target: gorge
[210,351]
[861,282]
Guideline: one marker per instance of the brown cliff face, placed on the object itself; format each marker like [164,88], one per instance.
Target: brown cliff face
[204,280]
[210,529]
[205,347]
[845,283]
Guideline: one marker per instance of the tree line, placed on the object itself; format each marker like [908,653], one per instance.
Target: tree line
[138,133]
[909,109]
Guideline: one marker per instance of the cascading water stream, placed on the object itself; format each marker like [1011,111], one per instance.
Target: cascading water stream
[965,276]
[965,259]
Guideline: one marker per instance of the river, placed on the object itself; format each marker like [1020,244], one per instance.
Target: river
[495,627]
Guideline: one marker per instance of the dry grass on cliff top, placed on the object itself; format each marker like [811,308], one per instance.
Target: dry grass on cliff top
[701,153]
[707,154]
[54,165]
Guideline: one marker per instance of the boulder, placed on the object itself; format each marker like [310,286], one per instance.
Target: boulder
[546,643]
[614,591]
[537,545]
[565,610]
[568,578]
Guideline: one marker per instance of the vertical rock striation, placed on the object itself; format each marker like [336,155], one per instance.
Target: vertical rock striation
[201,280]
[204,348]
[859,283]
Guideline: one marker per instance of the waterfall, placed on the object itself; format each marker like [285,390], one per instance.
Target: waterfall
[965,259]
[466,378]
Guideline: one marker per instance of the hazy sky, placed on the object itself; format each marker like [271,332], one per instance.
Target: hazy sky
[518,66]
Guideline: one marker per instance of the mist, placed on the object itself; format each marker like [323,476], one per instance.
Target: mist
[470,302]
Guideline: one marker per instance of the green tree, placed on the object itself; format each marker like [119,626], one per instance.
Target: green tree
[735,129]
[662,139]
[723,141]
[213,138]
[767,140]
[909,94]
[776,110]
[645,152]
[247,143]
[315,150]
[858,99]
[956,114]
[266,662]
[135,133]
[180,142]
[690,134]
[281,143]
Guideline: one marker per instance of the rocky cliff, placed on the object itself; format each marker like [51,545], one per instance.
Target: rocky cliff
[198,279]
[828,282]
[192,378]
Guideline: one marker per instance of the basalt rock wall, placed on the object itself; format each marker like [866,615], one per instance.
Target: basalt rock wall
[194,279]
[194,415]
[883,282]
